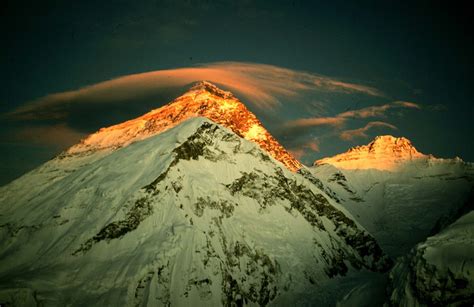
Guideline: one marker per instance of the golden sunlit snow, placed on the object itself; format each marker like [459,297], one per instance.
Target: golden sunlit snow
[205,100]
[384,153]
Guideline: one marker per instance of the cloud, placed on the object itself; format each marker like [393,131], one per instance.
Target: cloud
[313,145]
[298,153]
[56,135]
[377,111]
[302,150]
[350,87]
[372,111]
[437,107]
[407,104]
[341,118]
[316,121]
[348,135]
[263,86]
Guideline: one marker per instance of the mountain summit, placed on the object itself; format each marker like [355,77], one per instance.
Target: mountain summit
[204,99]
[385,152]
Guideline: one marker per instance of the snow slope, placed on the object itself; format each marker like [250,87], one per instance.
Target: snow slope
[195,215]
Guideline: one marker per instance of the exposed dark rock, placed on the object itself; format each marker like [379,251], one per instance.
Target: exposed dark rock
[139,211]
[317,182]
[223,206]
[266,189]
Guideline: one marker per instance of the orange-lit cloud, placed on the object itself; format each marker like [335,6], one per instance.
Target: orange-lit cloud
[350,87]
[341,118]
[407,104]
[298,153]
[263,86]
[348,135]
[372,111]
[312,145]
[57,135]
[316,121]
[377,111]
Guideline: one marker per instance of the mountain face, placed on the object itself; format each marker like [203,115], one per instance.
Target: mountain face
[195,214]
[384,153]
[438,271]
[395,192]
[204,99]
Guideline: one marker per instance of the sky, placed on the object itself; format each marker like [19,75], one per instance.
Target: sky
[322,77]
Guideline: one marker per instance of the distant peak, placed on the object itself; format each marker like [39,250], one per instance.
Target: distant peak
[390,139]
[211,88]
[385,152]
[382,142]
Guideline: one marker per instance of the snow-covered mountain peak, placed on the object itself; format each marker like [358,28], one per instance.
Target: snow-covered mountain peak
[391,139]
[210,88]
[385,152]
[204,99]
[195,215]
[397,144]
[390,146]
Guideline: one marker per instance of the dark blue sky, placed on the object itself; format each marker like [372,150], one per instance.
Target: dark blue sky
[416,51]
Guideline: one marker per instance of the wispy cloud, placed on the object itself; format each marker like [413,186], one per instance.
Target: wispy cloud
[298,153]
[372,111]
[312,145]
[263,86]
[316,121]
[302,150]
[437,107]
[407,104]
[56,135]
[351,87]
[348,135]
[341,118]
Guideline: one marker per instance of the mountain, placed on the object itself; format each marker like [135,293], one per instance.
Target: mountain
[396,192]
[194,213]
[203,99]
[383,153]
